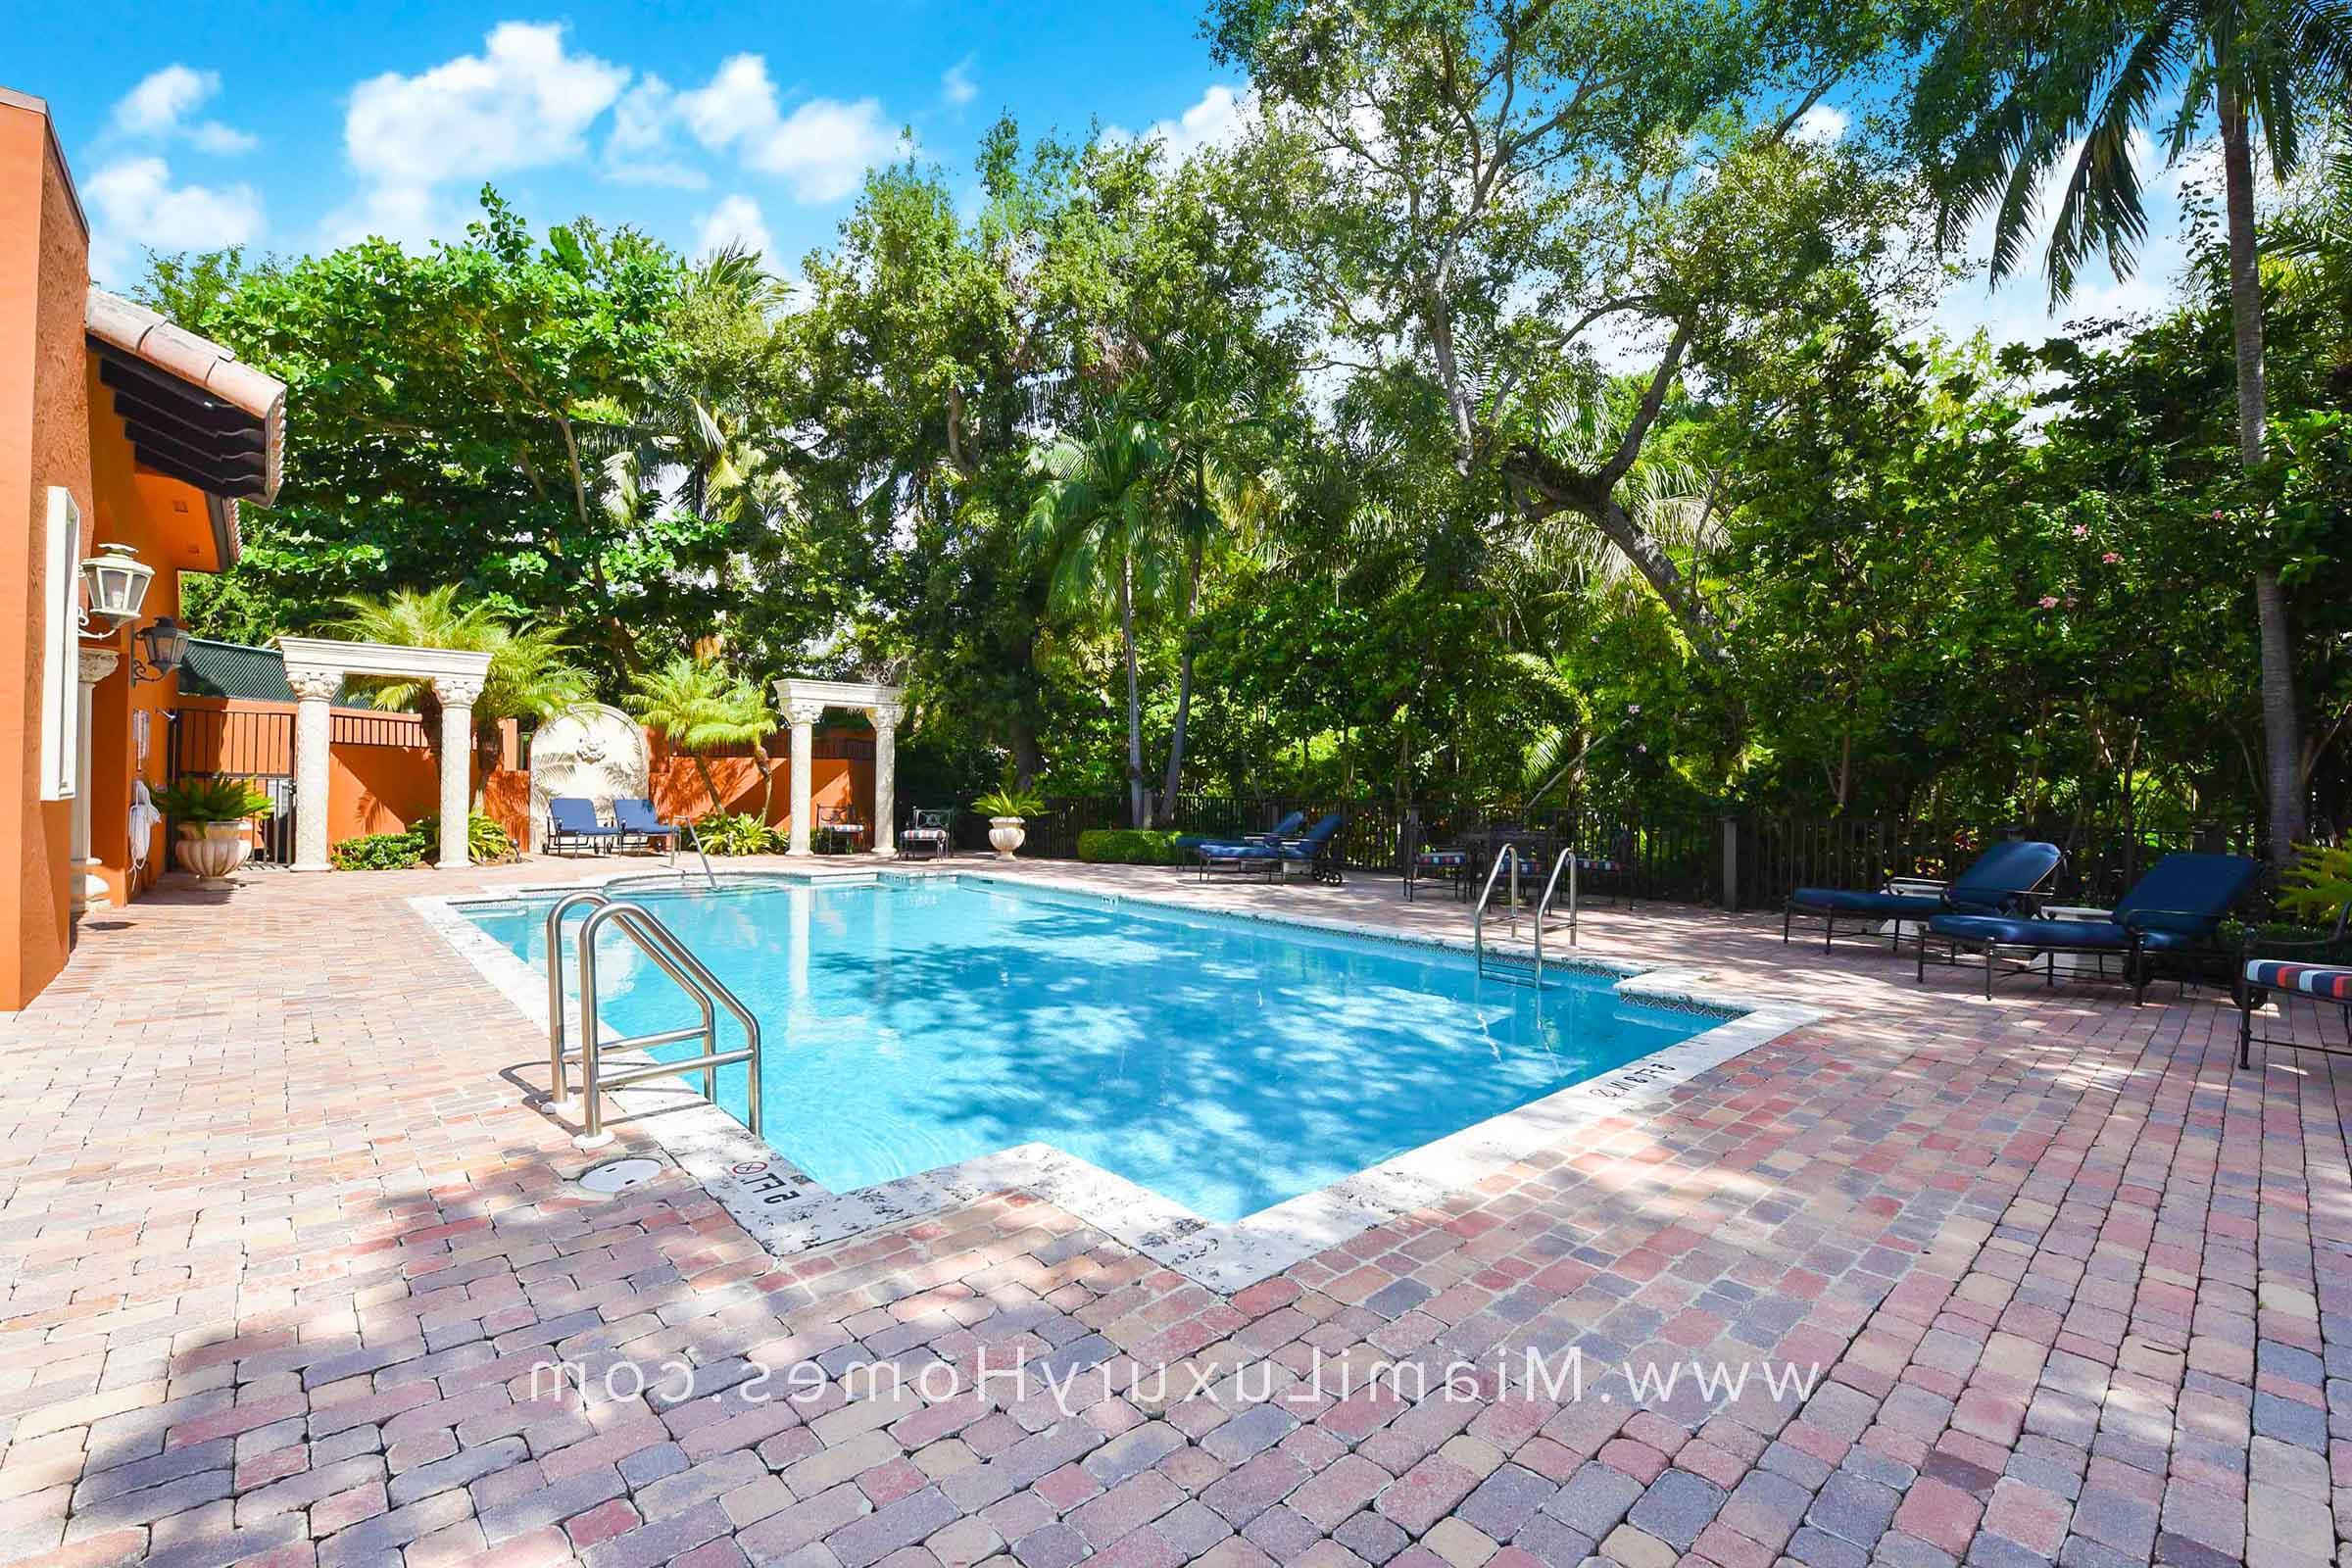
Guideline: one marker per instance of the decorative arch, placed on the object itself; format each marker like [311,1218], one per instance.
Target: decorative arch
[803,702]
[315,667]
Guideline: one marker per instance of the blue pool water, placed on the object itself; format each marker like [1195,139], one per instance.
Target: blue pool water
[1226,1064]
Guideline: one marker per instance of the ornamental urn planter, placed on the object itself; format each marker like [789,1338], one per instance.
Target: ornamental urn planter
[212,851]
[1005,835]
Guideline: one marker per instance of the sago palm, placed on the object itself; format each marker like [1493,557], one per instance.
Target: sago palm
[2015,91]
[697,706]
[530,676]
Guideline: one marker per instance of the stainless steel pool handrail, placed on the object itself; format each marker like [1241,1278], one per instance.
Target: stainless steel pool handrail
[1551,886]
[1486,896]
[700,853]
[660,943]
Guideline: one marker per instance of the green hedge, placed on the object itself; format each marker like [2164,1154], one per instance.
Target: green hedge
[1130,846]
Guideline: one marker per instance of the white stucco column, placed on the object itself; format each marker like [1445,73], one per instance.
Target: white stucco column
[458,694]
[885,717]
[803,717]
[315,687]
[89,885]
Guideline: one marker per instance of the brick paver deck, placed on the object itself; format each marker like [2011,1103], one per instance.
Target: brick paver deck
[284,1238]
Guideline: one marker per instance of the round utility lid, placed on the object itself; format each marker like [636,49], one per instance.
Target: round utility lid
[617,1175]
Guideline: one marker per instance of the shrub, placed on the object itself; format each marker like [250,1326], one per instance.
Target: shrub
[2318,883]
[736,833]
[1130,846]
[486,842]
[380,851]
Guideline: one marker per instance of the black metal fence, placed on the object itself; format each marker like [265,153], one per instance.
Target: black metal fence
[1677,855]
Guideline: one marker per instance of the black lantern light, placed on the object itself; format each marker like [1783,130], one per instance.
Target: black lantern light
[165,642]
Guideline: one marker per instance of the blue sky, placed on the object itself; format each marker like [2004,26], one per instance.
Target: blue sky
[296,130]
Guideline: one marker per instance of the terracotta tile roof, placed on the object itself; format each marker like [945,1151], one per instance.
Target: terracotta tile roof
[223,432]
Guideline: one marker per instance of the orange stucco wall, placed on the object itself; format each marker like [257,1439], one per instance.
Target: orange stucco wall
[166,522]
[679,794]
[370,788]
[44,435]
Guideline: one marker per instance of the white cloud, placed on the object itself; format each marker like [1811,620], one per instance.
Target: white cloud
[822,149]
[2018,308]
[138,208]
[1218,119]
[526,101]
[956,85]
[1823,123]
[157,109]
[736,221]
[638,152]
[156,106]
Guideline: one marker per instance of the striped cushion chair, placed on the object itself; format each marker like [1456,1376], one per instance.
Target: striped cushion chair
[2325,981]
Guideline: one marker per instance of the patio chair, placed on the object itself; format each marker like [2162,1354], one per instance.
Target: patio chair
[839,828]
[2004,880]
[928,838]
[571,824]
[2327,979]
[1434,863]
[2172,915]
[637,820]
[1316,850]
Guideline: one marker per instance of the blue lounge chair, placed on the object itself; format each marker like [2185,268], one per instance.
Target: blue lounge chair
[637,820]
[1316,850]
[2172,915]
[2003,880]
[1287,828]
[571,824]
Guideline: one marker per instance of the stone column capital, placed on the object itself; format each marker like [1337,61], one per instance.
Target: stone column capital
[458,691]
[313,683]
[887,715]
[800,713]
[97,663]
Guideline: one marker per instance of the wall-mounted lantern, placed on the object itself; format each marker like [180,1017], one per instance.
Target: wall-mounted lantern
[164,643]
[117,586]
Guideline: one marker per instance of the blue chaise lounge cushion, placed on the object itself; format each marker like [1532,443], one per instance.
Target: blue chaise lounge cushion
[1991,885]
[2176,905]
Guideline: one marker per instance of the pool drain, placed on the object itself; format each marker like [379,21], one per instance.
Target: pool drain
[618,1175]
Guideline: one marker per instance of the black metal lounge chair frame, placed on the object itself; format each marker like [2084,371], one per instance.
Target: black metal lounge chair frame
[2139,960]
[2249,996]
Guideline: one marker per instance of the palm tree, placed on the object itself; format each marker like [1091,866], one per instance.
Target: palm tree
[531,675]
[697,706]
[1217,456]
[1096,522]
[2015,90]
[1143,495]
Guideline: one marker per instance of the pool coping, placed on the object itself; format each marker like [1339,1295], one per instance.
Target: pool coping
[788,1212]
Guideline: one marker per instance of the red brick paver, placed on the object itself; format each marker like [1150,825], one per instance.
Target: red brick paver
[283,1238]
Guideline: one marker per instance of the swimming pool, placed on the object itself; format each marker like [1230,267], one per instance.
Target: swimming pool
[1224,1063]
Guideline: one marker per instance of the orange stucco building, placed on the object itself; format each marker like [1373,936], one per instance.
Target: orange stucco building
[115,428]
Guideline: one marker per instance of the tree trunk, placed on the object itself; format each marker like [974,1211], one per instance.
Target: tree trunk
[2282,741]
[702,765]
[1134,702]
[768,780]
[1184,688]
[1543,486]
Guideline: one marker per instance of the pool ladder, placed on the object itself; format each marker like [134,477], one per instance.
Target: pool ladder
[1510,856]
[657,943]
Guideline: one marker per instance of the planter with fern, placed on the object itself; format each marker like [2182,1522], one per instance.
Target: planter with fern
[1008,810]
[210,817]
